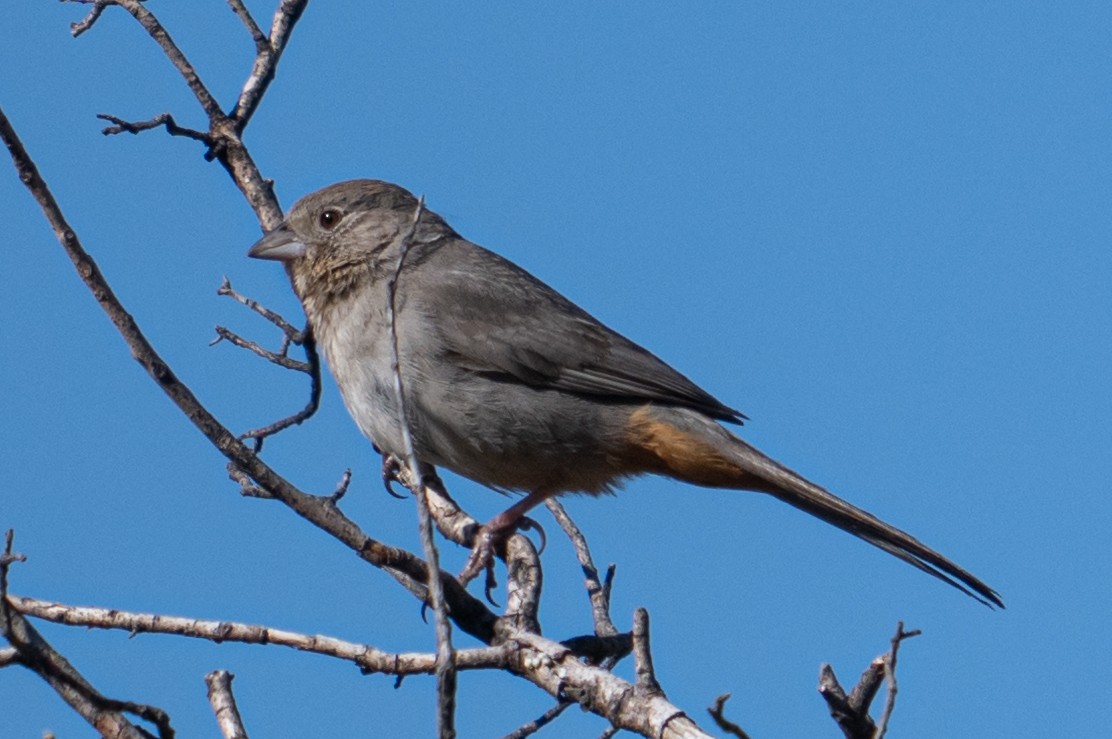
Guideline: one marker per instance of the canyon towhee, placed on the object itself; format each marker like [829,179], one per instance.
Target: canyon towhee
[510,384]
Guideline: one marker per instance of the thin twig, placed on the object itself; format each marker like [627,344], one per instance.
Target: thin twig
[540,722]
[718,713]
[224,334]
[446,671]
[223,703]
[136,127]
[7,559]
[341,487]
[597,590]
[893,688]
[395,353]
[161,37]
[292,334]
[76,29]
[252,27]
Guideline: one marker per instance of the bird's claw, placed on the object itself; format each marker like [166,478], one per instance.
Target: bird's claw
[528,524]
[482,555]
[483,550]
[391,466]
[482,559]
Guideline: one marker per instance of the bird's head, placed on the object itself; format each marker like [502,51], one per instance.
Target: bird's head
[336,235]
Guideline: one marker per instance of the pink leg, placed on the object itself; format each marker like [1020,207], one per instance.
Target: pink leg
[507,520]
[497,530]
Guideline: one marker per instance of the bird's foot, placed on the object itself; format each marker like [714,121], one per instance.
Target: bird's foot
[485,546]
[482,559]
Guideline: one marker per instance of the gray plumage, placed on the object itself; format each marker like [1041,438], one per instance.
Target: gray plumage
[509,383]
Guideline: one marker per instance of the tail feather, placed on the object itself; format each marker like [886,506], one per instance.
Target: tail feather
[795,490]
[689,446]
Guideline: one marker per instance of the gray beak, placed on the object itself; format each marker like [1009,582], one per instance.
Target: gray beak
[281,244]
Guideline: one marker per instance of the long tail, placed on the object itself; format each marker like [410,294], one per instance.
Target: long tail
[693,448]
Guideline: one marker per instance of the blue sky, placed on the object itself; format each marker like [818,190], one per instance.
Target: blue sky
[880,230]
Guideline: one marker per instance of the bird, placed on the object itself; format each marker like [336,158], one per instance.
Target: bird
[509,383]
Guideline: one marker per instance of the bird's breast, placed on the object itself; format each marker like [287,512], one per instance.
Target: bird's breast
[354,335]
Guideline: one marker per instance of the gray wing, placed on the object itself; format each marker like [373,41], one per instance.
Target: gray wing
[497,319]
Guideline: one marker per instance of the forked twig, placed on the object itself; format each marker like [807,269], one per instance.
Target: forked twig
[597,590]
[290,335]
[893,687]
[851,712]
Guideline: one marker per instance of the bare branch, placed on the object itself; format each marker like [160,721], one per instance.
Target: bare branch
[85,24]
[368,658]
[224,136]
[290,335]
[523,565]
[9,656]
[598,591]
[164,119]
[103,714]
[606,650]
[854,721]
[717,712]
[7,559]
[470,614]
[562,675]
[642,655]
[524,578]
[851,712]
[35,653]
[341,487]
[411,460]
[223,704]
[268,53]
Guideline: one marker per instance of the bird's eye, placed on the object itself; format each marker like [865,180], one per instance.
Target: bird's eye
[329,219]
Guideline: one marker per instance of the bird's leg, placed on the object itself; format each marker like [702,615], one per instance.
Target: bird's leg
[497,530]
